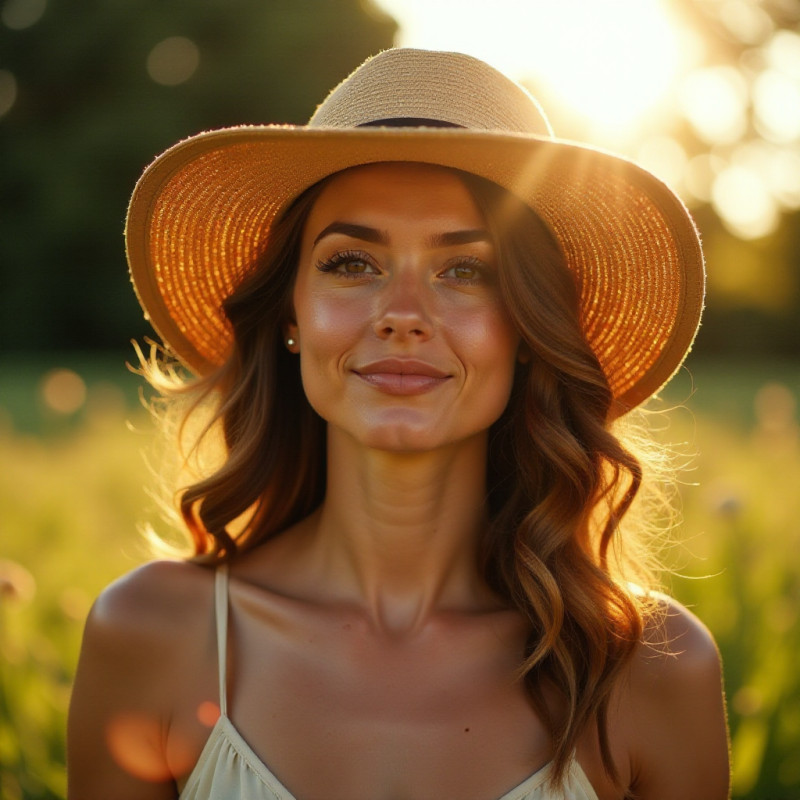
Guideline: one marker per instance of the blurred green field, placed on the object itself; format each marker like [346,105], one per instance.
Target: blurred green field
[72,495]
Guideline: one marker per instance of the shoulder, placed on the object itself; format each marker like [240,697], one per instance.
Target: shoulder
[675,703]
[157,591]
[678,650]
[142,621]
[145,643]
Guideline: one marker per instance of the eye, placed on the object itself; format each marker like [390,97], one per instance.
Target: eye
[467,271]
[463,272]
[349,263]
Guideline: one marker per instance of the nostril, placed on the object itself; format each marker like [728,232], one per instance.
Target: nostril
[390,330]
[403,320]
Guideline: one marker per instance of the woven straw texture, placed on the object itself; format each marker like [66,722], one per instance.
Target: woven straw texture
[202,212]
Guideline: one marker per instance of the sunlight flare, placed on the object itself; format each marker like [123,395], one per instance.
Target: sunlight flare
[609,63]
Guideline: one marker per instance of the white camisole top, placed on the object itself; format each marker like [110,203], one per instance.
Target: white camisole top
[228,769]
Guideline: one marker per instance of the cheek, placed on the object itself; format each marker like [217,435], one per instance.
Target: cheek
[325,319]
[328,328]
[490,336]
[490,343]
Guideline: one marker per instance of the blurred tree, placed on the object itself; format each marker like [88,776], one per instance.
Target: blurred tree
[91,91]
[738,123]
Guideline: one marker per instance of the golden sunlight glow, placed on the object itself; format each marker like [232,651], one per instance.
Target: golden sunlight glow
[609,62]
[632,76]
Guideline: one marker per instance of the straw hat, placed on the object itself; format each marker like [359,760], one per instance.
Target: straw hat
[202,211]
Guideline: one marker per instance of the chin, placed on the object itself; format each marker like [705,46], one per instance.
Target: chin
[399,439]
[409,430]
[398,431]
[403,437]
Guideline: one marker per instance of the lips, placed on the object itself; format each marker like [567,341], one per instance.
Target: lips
[402,376]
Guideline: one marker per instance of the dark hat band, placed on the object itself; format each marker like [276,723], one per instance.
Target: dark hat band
[408,122]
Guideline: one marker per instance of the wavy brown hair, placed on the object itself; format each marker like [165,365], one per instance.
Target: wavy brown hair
[559,481]
[559,484]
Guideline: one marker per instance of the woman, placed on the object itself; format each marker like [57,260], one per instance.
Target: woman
[417,319]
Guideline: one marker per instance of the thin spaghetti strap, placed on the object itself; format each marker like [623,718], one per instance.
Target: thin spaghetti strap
[221,609]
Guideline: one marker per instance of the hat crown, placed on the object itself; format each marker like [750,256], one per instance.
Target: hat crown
[452,88]
[203,213]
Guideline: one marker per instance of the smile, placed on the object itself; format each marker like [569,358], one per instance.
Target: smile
[402,376]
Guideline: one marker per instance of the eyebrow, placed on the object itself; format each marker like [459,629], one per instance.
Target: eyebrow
[363,232]
[375,236]
[451,238]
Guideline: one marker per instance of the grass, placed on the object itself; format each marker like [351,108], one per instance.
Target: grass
[72,494]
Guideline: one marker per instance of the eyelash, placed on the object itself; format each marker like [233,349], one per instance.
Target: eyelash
[337,260]
[344,257]
[482,272]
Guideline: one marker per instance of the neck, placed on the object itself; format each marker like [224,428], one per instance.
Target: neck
[401,530]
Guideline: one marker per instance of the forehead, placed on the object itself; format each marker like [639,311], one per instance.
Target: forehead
[396,192]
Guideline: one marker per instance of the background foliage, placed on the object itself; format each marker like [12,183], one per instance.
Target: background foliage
[72,498]
[89,116]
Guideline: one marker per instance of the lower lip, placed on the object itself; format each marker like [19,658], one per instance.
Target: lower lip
[395,383]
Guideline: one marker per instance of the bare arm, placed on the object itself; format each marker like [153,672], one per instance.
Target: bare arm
[681,736]
[127,679]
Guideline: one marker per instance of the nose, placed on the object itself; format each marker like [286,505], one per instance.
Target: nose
[402,312]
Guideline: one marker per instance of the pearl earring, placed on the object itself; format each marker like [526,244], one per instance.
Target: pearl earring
[290,342]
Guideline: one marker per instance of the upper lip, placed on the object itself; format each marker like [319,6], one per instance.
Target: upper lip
[401,366]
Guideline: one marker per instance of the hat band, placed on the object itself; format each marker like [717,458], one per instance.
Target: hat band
[408,122]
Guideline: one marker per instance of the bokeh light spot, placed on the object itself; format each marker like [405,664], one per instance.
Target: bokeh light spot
[774,407]
[701,171]
[20,14]
[665,158]
[744,204]
[208,713]
[749,23]
[783,175]
[173,61]
[8,91]
[131,740]
[17,585]
[776,102]
[714,101]
[63,391]
[783,53]
[778,167]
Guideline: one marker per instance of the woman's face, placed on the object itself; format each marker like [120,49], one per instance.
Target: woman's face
[404,341]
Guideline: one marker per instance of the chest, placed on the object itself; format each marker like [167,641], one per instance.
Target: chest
[329,702]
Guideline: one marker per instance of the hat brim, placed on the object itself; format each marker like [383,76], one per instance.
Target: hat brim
[201,213]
